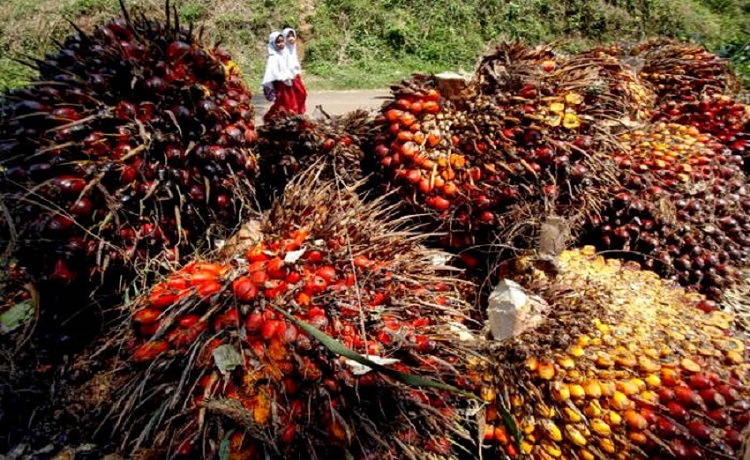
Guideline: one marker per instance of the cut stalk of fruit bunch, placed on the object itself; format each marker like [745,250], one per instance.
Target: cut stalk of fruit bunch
[131,143]
[624,366]
[232,360]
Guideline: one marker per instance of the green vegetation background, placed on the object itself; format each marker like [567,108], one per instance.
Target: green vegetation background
[373,43]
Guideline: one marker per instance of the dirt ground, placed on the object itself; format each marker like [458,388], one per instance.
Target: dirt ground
[330,102]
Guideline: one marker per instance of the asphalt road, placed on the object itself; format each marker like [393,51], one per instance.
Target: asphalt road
[332,102]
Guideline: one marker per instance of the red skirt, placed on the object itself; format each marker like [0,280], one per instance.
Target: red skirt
[285,103]
[300,94]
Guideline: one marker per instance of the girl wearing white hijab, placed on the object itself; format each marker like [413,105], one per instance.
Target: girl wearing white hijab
[300,92]
[277,79]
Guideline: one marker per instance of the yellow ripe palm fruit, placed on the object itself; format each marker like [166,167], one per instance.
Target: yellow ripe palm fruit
[631,369]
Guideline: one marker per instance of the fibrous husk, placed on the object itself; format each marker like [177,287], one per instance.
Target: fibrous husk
[735,300]
[212,357]
[623,366]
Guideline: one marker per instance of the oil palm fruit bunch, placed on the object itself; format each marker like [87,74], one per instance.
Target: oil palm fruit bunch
[719,115]
[614,91]
[682,207]
[621,367]
[232,352]
[611,89]
[510,67]
[682,71]
[132,141]
[289,145]
[486,165]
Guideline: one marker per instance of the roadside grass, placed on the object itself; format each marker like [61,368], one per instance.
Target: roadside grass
[350,44]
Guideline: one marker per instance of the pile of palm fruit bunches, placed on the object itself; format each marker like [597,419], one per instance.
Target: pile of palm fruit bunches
[647,174]
[348,316]
[130,143]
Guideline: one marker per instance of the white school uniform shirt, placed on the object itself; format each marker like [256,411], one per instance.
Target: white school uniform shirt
[290,51]
[276,64]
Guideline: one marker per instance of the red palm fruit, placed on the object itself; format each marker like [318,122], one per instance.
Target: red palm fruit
[392,115]
[677,410]
[256,254]
[258,274]
[201,277]
[438,203]
[326,272]
[148,330]
[146,316]
[405,136]
[62,273]
[209,288]
[269,329]
[450,189]
[293,277]
[209,267]
[328,144]
[431,107]
[729,393]
[315,285]
[244,289]
[178,283]
[414,176]
[362,261]
[228,319]
[149,350]
[188,321]
[698,382]
[254,322]
[402,104]
[289,434]
[274,288]
[313,256]
[276,268]
[687,397]
[161,298]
